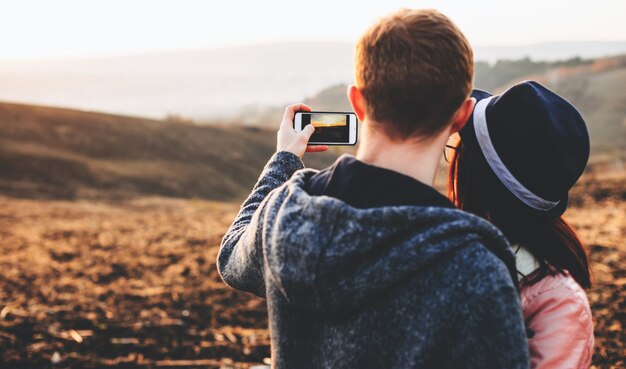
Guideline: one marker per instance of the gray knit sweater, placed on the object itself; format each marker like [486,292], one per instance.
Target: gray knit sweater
[388,287]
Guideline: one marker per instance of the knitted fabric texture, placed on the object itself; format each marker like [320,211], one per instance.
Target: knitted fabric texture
[388,287]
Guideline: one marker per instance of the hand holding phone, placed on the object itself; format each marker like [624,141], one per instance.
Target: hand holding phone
[289,140]
[331,128]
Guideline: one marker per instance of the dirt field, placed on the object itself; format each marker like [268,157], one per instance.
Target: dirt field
[133,284]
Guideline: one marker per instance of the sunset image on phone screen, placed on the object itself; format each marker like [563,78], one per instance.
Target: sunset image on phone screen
[328,120]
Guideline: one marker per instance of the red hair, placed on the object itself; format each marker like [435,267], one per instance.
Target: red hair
[472,187]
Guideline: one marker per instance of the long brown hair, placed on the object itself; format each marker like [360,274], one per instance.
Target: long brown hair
[552,241]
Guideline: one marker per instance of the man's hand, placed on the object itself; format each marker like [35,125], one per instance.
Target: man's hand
[290,140]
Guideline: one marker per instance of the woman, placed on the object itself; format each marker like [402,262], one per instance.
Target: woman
[518,156]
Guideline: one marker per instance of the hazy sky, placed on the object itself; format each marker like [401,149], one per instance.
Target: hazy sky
[68,28]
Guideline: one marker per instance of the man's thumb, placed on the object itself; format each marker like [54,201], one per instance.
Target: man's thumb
[308,130]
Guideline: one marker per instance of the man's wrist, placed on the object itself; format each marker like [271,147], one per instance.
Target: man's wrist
[287,160]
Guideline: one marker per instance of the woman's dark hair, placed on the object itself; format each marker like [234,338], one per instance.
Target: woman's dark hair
[552,241]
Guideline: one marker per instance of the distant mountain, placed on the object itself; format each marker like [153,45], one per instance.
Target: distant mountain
[598,90]
[55,153]
[333,98]
[68,154]
[218,83]
[551,51]
[490,76]
[596,87]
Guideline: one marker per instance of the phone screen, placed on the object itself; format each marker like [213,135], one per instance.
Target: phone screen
[328,127]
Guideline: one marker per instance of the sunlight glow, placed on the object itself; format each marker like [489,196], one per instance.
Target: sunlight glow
[70,28]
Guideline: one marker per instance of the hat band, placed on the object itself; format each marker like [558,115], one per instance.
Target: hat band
[498,167]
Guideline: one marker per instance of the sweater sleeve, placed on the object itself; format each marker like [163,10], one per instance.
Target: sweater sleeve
[561,319]
[239,261]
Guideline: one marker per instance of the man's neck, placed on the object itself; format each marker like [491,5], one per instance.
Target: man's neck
[418,159]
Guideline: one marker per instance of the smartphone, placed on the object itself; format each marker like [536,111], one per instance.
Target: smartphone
[331,128]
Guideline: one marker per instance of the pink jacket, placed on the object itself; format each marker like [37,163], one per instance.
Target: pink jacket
[556,309]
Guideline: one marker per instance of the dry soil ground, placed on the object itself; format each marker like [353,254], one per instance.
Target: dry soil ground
[133,284]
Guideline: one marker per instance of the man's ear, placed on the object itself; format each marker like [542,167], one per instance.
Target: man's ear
[462,114]
[357,101]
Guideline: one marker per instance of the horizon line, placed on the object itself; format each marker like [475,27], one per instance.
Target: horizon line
[123,54]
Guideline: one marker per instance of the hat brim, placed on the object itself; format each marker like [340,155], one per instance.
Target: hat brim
[468,137]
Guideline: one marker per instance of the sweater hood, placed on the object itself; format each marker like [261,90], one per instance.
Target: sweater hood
[327,257]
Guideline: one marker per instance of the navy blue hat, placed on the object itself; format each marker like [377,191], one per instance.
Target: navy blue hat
[535,142]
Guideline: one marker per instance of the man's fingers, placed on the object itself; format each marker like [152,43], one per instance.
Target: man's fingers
[291,110]
[316,148]
[298,107]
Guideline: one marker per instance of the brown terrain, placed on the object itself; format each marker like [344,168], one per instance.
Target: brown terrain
[94,284]
[110,226]
[51,153]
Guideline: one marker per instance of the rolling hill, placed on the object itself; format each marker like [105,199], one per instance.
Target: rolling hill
[598,90]
[67,154]
[56,153]
[596,87]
